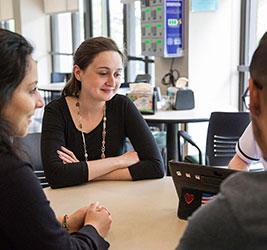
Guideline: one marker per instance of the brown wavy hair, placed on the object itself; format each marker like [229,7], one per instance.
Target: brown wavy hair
[84,56]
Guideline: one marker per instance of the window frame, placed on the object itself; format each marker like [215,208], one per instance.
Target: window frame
[54,29]
[248,27]
[128,25]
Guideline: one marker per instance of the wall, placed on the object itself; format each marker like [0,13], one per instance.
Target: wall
[162,65]
[213,58]
[214,53]
[33,24]
[211,54]
[210,61]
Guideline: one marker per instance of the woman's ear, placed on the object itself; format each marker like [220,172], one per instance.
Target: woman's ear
[255,99]
[77,72]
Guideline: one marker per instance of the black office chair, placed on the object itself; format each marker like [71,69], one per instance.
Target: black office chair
[224,131]
[31,146]
[59,77]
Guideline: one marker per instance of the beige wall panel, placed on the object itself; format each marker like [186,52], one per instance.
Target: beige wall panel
[52,6]
[6,10]
[59,6]
[73,5]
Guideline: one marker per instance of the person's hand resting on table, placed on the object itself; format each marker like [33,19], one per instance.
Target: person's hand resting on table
[95,215]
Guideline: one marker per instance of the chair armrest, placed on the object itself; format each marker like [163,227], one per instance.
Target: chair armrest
[187,138]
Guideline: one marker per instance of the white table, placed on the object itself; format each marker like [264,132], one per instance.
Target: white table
[144,213]
[51,88]
[180,116]
[173,117]
[58,86]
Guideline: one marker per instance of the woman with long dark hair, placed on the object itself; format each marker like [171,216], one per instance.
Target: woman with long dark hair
[26,220]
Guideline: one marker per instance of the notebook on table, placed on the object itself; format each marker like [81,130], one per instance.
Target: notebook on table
[196,185]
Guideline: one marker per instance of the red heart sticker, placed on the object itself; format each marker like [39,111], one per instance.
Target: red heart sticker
[189,198]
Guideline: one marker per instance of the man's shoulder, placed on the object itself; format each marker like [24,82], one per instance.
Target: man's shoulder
[250,180]
[245,192]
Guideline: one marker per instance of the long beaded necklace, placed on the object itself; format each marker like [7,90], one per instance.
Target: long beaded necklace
[103,131]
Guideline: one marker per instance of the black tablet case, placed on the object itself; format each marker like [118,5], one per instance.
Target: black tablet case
[194,183]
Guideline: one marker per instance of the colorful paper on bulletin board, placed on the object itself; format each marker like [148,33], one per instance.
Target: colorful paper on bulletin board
[204,5]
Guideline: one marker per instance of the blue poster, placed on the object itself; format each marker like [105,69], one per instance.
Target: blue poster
[204,5]
[174,26]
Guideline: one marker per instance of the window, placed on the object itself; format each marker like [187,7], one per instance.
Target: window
[106,18]
[116,22]
[66,37]
[261,19]
[97,18]
[139,66]
[64,42]
[9,25]
[122,23]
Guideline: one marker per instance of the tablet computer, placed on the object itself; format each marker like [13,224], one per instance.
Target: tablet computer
[196,184]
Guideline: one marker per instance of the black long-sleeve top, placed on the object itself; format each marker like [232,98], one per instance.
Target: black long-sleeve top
[123,120]
[26,220]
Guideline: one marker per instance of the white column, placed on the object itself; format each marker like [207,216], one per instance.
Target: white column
[33,24]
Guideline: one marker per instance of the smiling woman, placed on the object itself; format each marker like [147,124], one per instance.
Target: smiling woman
[84,131]
[23,203]
[24,101]
[16,88]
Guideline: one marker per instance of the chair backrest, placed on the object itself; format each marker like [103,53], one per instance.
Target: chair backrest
[31,145]
[224,130]
[143,78]
[56,77]
[60,77]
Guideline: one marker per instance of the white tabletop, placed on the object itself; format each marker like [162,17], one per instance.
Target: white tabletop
[198,114]
[176,116]
[144,213]
[123,91]
[183,116]
[58,86]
